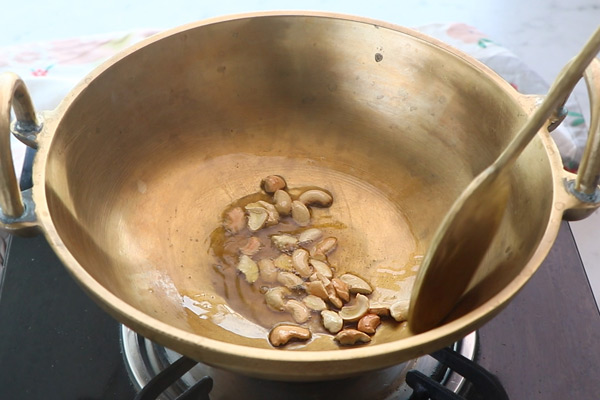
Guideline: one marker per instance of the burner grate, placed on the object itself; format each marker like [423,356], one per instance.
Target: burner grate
[161,382]
[165,375]
[485,385]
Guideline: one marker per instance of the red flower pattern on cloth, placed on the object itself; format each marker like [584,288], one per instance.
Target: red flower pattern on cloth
[27,57]
[468,34]
[80,54]
[77,51]
[465,33]
[40,71]
[84,51]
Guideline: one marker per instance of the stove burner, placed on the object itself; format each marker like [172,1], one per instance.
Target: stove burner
[482,383]
[146,359]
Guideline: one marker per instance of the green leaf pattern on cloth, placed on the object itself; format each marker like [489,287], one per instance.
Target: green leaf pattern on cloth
[577,118]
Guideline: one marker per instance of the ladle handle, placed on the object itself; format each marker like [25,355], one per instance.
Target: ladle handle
[583,190]
[588,176]
[15,214]
[556,97]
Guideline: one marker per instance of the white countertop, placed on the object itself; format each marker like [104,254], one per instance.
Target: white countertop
[545,34]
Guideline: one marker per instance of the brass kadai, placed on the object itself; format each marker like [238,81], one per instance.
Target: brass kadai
[136,164]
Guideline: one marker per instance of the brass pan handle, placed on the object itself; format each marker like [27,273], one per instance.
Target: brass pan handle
[584,191]
[15,213]
[589,169]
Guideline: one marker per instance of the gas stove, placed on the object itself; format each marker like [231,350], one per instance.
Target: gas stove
[55,343]
[151,365]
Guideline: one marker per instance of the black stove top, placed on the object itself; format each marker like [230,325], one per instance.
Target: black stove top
[55,342]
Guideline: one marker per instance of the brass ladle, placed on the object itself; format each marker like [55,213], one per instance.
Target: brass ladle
[463,238]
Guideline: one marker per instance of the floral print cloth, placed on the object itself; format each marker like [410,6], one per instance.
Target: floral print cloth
[570,136]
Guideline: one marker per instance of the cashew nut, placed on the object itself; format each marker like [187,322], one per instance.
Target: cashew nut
[381,309]
[321,267]
[399,310]
[316,197]
[267,270]
[257,216]
[284,262]
[300,313]
[248,267]
[284,242]
[300,262]
[324,247]
[333,299]
[336,301]
[341,289]
[355,311]
[272,214]
[290,280]
[235,220]
[283,202]
[349,337]
[331,293]
[251,247]
[273,183]
[356,284]
[314,303]
[284,333]
[369,323]
[275,298]
[300,213]
[309,236]
[318,289]
[332,321]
